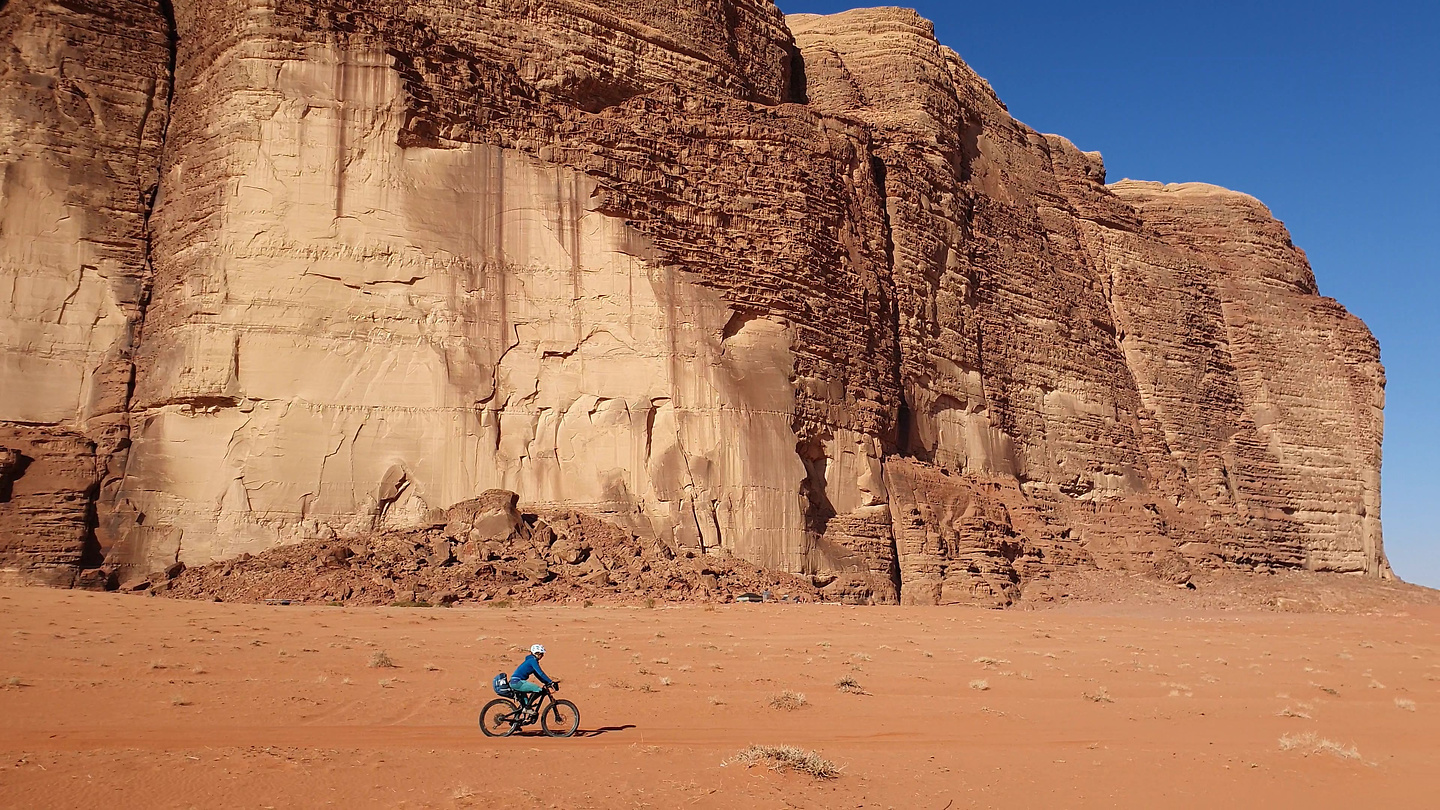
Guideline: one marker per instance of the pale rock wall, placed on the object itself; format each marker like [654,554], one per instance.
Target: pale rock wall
[370,332]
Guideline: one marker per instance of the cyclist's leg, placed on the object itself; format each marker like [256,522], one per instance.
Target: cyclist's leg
[525,689]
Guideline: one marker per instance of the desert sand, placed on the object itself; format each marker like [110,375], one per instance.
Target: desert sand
[117,701]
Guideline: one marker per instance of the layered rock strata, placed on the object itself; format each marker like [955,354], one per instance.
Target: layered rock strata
[797,290]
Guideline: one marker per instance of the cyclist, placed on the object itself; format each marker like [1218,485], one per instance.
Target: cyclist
[520,681]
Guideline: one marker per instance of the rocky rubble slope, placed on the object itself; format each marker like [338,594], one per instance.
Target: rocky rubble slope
[486,550]
[797,291]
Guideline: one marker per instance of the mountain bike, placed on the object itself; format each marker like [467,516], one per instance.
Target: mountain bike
[505,716]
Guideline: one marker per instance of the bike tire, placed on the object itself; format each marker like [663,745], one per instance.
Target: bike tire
[497,718]
[560,719]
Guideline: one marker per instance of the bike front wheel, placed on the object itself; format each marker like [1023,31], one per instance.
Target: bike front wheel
[560,719]
[497,719]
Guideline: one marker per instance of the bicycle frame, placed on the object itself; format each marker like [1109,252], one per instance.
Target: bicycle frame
[537,707]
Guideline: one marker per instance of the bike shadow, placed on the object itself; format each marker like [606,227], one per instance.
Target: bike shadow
[596,732]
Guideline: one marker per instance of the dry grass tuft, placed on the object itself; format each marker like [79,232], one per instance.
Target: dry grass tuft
[1312,743]
[1101,695]
[980,684]
[850,685]
[1289,712]
[788,757]
[787,700]
[1405,703]
[381,660]
[1179,690]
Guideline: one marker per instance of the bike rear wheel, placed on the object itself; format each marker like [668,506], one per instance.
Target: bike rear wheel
[561,719]
[498,717]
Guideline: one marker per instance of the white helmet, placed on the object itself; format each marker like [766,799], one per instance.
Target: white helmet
[537,649]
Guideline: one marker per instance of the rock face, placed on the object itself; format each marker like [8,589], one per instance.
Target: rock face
[797,290]
[84,88]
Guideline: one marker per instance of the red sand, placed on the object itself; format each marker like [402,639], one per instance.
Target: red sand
[123,701]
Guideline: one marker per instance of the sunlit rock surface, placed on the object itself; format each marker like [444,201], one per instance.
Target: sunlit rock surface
[798,290]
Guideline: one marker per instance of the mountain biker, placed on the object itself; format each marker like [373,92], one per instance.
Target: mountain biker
[520,681]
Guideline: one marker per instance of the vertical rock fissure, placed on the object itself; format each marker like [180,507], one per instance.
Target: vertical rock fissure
[798,92]
[151,195]
[902,415]
[95,555]
[902,411]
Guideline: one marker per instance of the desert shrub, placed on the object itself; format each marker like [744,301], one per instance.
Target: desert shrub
[788,757]
[980,684]
[787,700]
[1312,743]
[381,660]
[850,685]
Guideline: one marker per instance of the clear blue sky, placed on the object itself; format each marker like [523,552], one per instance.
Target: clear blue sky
[1328,112]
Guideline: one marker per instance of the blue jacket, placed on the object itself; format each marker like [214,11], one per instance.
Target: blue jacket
[531,666]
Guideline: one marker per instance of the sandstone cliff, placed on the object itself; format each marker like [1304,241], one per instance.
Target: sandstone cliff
[796,289]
